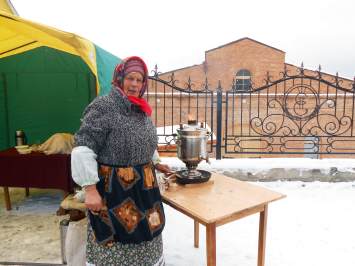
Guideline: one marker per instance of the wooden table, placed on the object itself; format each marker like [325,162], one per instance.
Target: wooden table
[219,203]
[34,170]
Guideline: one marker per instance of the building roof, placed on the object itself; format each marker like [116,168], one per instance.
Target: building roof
[242,39]
[170,71]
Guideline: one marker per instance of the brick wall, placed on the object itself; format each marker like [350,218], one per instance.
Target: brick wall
[221,65]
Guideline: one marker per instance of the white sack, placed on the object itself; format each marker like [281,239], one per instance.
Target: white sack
[60,143]
[75,243]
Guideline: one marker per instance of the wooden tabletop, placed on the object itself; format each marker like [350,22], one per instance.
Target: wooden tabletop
[225,198]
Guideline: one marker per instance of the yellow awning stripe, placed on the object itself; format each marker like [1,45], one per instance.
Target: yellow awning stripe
[18,35]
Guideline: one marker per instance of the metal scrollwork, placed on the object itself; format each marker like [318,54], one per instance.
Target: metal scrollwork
[299,116]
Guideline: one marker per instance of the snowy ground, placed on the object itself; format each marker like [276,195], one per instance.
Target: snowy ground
[255,166]
[314,225]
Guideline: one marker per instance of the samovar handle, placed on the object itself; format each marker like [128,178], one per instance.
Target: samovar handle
[176,140]
[207,158]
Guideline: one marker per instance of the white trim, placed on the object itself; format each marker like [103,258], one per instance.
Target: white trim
[12,7]
[160,261]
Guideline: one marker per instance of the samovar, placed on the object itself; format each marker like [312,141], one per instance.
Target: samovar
[192,149]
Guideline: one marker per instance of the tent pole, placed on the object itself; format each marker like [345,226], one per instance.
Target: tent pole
[6,112]
[95,86]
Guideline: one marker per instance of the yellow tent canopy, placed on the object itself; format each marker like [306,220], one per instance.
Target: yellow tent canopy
[18,35]
[47,78]
[6,6]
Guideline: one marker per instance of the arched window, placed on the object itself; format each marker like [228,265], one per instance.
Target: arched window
[243,80]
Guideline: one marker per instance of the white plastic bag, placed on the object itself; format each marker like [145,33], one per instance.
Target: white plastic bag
[75,243]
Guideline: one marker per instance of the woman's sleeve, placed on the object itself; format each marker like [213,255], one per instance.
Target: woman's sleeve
[84,166]
[156,159]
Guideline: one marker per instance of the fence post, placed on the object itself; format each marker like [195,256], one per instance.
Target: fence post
[219,122]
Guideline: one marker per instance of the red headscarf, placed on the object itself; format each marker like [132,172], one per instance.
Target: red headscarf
[118,76]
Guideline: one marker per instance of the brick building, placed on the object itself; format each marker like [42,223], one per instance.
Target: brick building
[287,110]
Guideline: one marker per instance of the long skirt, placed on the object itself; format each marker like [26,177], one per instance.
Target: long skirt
[145,254]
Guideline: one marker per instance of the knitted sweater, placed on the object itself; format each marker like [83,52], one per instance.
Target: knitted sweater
[117,131]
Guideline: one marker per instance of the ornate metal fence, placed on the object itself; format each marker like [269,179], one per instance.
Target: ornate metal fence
[303,112]
[171,106]
[296,114]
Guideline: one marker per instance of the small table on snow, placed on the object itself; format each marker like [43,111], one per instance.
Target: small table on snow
[34,170]
[219,203]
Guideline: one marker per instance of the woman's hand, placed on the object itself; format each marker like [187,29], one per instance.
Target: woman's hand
[164,168]
[93,200]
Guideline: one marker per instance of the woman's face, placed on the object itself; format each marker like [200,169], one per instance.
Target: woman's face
[132,84]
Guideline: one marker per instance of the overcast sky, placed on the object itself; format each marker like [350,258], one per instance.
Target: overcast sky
[176,34]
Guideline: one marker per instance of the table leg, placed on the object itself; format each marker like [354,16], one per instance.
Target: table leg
[7,198]
[65,195]
[262,236]
[196,234]
[27,192]
[211,244]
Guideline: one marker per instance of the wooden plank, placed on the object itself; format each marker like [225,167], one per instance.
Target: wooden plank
[76,215]
[210,182]
[211,244]
[240,215]
[74,212]
[27,191]
[262,236]
[228,196]
[186,212]
[61,212]
[196,234]
[7,198]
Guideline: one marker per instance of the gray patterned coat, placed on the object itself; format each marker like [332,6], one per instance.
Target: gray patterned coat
[117,131]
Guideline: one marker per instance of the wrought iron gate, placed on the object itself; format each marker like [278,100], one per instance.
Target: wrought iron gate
[176,105]
[305,113]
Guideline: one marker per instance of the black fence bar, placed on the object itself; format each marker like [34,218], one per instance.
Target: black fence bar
[219,126]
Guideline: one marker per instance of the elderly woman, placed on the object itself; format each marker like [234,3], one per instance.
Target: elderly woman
[114,160]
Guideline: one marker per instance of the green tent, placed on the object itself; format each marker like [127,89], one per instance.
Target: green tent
[45,87]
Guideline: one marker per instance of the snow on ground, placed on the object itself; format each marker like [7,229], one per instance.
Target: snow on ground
[264,165]
[314,225]
[31,233]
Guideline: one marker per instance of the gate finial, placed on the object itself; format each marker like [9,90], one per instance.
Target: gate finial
[219,88]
